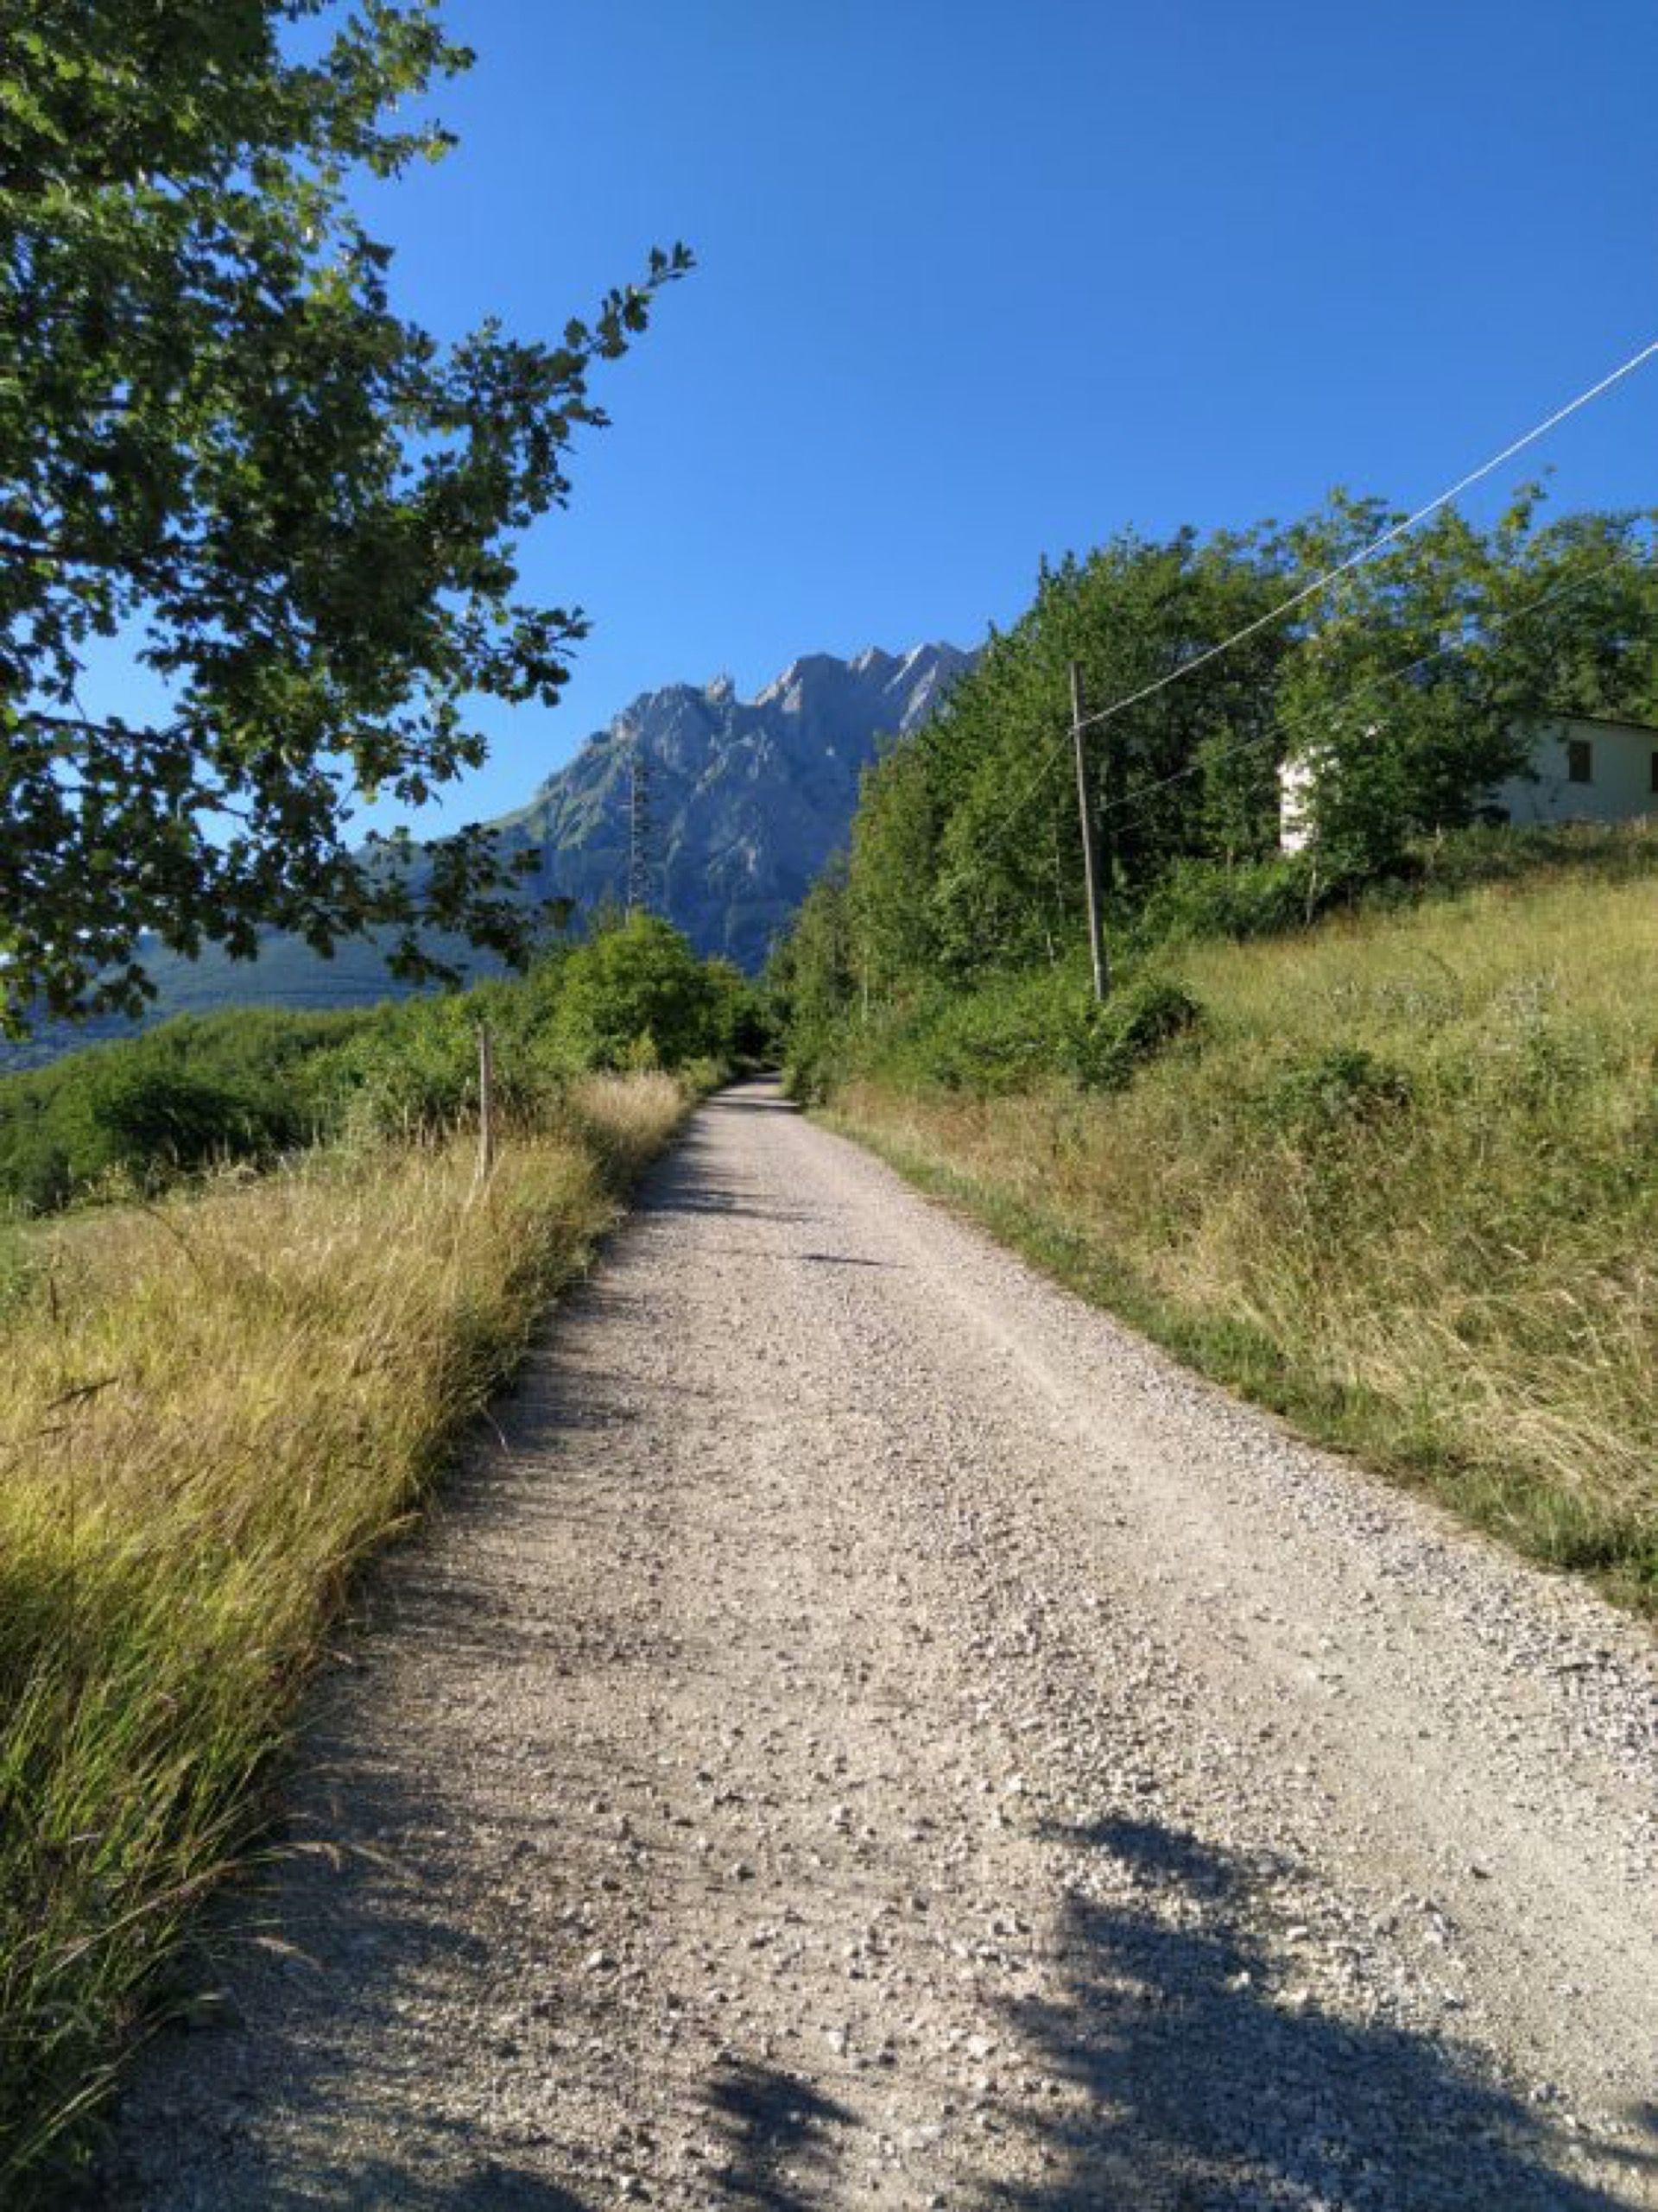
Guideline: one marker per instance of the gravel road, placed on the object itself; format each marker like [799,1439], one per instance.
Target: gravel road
[872,1732]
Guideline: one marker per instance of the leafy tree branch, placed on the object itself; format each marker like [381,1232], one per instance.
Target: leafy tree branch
[221,444]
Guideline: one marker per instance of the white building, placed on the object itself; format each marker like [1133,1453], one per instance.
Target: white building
[1586,770]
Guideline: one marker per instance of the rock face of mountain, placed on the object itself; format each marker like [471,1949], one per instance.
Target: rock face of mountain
[747,798]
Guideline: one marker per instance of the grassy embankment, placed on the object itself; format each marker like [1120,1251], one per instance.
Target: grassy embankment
[1401,1184]
[210,1409]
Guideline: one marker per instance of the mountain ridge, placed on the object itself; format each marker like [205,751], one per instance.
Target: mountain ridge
[749,798]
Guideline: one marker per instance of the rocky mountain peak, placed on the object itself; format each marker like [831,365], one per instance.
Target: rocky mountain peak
[749,798]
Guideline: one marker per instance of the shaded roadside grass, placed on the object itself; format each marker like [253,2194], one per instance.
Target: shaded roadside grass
[210,1410]
[1400,1185]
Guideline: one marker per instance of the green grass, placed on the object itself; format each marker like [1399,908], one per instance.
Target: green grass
[1402,1184]
[211,1409]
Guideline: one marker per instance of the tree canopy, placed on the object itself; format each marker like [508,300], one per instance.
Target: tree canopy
[1406,683]
[222,449]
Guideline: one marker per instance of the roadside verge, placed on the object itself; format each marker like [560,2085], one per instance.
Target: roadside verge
[213,1409]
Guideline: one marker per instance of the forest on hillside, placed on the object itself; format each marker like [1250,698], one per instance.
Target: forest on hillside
[1406,678]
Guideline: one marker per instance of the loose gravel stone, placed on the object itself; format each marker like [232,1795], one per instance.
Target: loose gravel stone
[873,1733]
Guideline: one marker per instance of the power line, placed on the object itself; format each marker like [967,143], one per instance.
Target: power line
[1299,597]
[1386,538]
[1291,724]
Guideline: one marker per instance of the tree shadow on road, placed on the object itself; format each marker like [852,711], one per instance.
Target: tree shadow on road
[753,1097]
[685,1180]
[1199,2065]
[380,2186]
[692,1193]
[298,2101]
[775,2132]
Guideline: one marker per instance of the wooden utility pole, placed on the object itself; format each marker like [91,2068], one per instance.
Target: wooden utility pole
[486,1101]
[1096,950]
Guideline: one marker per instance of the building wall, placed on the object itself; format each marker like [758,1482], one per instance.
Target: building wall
[1623,785]
[1295,781]
[1623,770]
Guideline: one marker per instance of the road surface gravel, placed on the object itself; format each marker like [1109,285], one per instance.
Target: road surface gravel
[872,1732]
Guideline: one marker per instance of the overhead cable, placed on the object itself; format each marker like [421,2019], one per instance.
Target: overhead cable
[1387,537]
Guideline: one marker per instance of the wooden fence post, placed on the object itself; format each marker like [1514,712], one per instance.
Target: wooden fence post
[486,1101]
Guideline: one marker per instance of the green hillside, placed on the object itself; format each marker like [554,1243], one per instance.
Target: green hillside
[1395,1175]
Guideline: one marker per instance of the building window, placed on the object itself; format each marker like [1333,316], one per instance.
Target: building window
[1579,760]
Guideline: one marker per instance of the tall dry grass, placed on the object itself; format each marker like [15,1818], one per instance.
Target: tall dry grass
[210,1410]
[1403,1187]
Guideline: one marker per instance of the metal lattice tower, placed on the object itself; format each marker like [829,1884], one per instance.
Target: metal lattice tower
[638,895]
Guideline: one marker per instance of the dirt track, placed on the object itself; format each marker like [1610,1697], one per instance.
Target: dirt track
[874,1734]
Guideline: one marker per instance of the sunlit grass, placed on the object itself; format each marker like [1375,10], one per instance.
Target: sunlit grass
[1403,1186]
[210,1410]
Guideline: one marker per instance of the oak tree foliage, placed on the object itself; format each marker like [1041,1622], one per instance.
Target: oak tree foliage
[222,448]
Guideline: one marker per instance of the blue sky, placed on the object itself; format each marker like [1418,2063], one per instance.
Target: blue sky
[982,281]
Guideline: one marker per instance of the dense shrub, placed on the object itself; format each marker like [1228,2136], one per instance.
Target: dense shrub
[814,1059]
[1130,1027]
[1016,1033]
[1334,1092]
[238,1085]
[253,1082]
[636,996]
[1005,1037]
[412,1077]
[143,1118]
[1205,898]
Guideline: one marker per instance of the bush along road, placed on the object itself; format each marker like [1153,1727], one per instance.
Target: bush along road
[870,1732]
